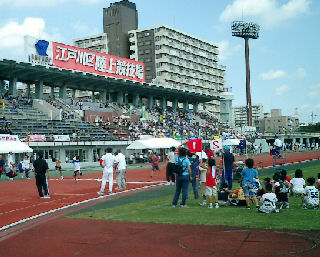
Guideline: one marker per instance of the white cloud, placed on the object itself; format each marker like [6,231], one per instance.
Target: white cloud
[226,50]
[12,33]
[317,106]
[82,28]
[268,13]
[305,107]
[301,73]
[273,74]
[314,91]
[29,3]
[282,90]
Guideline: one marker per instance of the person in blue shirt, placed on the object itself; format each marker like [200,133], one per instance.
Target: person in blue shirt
[182,181]
[249,177]
[194,160]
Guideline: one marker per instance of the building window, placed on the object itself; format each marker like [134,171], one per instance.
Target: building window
[159,73]
[148,60]
[140,43]
[147,51]
[147,34]
[148,68]
[148,77]
[158,65]
[141,52]
[147,43]
[158,47]
[140,35]
[158,56]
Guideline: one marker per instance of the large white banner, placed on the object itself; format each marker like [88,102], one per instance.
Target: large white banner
[61,138]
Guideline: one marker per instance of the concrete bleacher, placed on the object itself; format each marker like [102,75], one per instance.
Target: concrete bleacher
[25,120]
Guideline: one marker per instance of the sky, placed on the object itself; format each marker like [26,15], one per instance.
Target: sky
[284,60]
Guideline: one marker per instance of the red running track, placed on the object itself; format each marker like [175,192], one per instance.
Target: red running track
[19,199]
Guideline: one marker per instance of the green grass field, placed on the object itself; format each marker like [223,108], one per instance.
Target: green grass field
[155,207]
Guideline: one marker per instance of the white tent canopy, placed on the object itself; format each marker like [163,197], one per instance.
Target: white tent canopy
[231,142]
[153,143]
[9,143]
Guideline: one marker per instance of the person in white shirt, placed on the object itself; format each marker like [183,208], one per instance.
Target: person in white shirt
[121,170]
[108,163]
[297,183]
[26,166]
[10,161]
[311,195]
[170,166]
[268,201]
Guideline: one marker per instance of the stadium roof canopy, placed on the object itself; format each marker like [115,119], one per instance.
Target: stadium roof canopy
[52,76]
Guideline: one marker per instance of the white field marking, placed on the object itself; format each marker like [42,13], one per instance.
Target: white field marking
[114,181]
[69,194]
[71,205]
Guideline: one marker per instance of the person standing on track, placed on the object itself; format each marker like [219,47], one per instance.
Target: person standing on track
[40,167]
[77,169]
[108,163]
[155,163]
[228,160]
[121,170]
[58,167]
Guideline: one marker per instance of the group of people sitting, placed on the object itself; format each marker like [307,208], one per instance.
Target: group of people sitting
[10,169]
[270,197]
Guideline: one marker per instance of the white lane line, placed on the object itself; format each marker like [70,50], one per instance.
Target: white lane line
[71,205]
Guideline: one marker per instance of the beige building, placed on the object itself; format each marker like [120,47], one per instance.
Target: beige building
[240,114]
[277,123]
[178,60]
[97,43]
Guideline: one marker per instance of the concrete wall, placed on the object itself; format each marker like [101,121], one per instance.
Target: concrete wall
[52,112]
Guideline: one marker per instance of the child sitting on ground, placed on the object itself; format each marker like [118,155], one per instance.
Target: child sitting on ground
[297,183]
[223,194]
[261,191]
[211,183]
[268,201]
[237,197]
[282,192]
[310,198]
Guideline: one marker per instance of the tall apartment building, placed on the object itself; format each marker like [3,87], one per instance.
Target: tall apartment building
[176,59]
[240,114]
[118,19]
[97,43]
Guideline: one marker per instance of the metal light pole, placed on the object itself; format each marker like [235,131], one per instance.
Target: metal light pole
[246,30]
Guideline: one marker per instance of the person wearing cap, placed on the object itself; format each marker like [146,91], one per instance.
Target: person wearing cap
[228,160]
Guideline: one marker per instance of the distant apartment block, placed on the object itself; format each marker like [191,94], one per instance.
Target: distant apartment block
[240,114]
[176,59]
[97,43]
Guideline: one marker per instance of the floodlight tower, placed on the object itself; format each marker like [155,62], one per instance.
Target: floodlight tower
[246,30]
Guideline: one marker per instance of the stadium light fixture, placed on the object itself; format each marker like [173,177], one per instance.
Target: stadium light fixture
[246,30]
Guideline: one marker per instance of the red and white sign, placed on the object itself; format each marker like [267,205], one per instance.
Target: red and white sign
[195,145]
[216,144]
[74,58]
[6,137]
[36,138]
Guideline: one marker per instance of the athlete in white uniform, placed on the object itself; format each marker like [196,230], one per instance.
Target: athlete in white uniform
[268,201]
[108,163]
[311,195]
